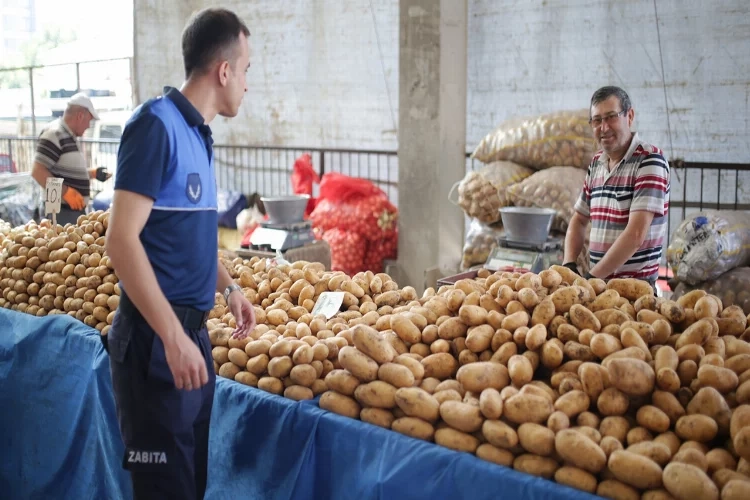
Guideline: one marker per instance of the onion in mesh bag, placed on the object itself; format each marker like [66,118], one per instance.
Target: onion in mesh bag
[556,187]
[560,138]
[708,244]
[482,193]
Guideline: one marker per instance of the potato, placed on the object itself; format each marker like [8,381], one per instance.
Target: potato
[372,343]
[491,403]
[476,377]
[696,428]
[272,385]
[499,456]
[572,403]
[377,416]
[416,402]
[520,370]
[723,380]
[631,376]
[339,403]
[543,313]
[709,402]
[613,402]
[397,375]
[736,489]
[523,408]
[580,451]
[603,344]
[536,465]
[513,321]
[440,366]
[376,394]
[685,481]
[461,416]
[611,488]
[342,382]
[500,434]
[697,333]
[635,469]
[576,478]
[298,393]
[583,318]
[658,452]
[414,427]
[652,418]
[358,364]
[629,288]
[456,440]
[536,439]
[565,298]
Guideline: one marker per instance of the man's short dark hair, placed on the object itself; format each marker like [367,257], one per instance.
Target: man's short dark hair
[605,93]
[211,34]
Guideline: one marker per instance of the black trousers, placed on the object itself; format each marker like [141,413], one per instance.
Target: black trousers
[165,430]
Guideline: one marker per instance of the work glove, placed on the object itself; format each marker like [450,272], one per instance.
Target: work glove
[573,267]
[74,199]
[102,174]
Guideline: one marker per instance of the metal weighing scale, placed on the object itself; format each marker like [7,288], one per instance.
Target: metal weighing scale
[527,245]
[270,236]
[285,227]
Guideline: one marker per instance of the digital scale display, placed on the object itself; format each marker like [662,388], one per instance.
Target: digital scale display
[501,258]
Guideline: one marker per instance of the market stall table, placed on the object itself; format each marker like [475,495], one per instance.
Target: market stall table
[60,432]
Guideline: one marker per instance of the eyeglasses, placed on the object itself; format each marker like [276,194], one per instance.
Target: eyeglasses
[597,121]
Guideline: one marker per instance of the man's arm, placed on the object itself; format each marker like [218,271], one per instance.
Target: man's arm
[629,241]
[575,236]
[128,216]
[223,280]
[579,223]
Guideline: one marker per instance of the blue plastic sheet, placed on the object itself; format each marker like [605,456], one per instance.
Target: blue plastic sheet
[59,437]
[58,426]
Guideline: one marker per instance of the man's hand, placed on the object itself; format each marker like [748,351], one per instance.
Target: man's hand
[102,174]
[73,198]
[244,315]
[573,267]
[186,363]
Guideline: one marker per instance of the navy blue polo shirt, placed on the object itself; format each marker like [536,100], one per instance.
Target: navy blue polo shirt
[166,154]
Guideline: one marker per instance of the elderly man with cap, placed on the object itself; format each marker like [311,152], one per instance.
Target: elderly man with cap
[57,155]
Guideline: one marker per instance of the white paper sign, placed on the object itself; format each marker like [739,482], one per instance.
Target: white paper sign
[53,195]
[328,304]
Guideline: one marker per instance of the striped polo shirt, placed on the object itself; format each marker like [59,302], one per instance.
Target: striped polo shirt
[639,182]
[57,150]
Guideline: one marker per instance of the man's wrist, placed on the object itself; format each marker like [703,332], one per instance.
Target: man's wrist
[231,288]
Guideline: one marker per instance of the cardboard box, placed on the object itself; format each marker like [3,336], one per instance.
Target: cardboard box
[316,251]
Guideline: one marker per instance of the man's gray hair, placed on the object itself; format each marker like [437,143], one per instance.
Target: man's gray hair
[605,93]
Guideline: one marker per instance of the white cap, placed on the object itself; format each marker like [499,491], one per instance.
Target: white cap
[82,100]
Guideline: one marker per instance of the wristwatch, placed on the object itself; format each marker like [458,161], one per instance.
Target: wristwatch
[234,287]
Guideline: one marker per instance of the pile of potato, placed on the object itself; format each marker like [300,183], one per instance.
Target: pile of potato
[291,352]
[46,270]
[602,387]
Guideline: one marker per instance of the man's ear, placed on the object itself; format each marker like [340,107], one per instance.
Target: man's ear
[631,117]
[224,73]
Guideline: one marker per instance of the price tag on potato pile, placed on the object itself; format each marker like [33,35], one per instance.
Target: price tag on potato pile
[53,195]
[328,304]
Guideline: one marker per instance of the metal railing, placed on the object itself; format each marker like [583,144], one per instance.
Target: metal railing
[267,170]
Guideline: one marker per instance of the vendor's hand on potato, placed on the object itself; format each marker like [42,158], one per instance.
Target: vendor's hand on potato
[573,267]
[244,315]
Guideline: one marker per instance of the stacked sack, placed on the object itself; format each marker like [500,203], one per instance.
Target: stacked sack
[710,251]
[529,162]
[358,221]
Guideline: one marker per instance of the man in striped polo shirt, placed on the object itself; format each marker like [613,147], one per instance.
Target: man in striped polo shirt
[57,155]
[625,196]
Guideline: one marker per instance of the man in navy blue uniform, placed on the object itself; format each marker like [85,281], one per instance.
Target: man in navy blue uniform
[162,240]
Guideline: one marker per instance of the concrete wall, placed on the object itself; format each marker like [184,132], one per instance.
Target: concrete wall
[317,75]
[325,71]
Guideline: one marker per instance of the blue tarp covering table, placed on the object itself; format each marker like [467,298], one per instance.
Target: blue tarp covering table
[59,437]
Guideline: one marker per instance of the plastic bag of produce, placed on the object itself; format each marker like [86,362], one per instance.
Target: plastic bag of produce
[563,138]
[356,205]
[303,178]
[732,287]
[379,251]
[480,240]
[556,187]
[483,192]
[708,244]
[18,198]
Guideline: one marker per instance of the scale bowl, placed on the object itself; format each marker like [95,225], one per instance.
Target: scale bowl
[285,209]
[527,224]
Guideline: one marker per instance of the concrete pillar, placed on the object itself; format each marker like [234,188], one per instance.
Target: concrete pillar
[431,137]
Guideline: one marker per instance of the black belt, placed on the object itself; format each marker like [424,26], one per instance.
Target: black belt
[189,318]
